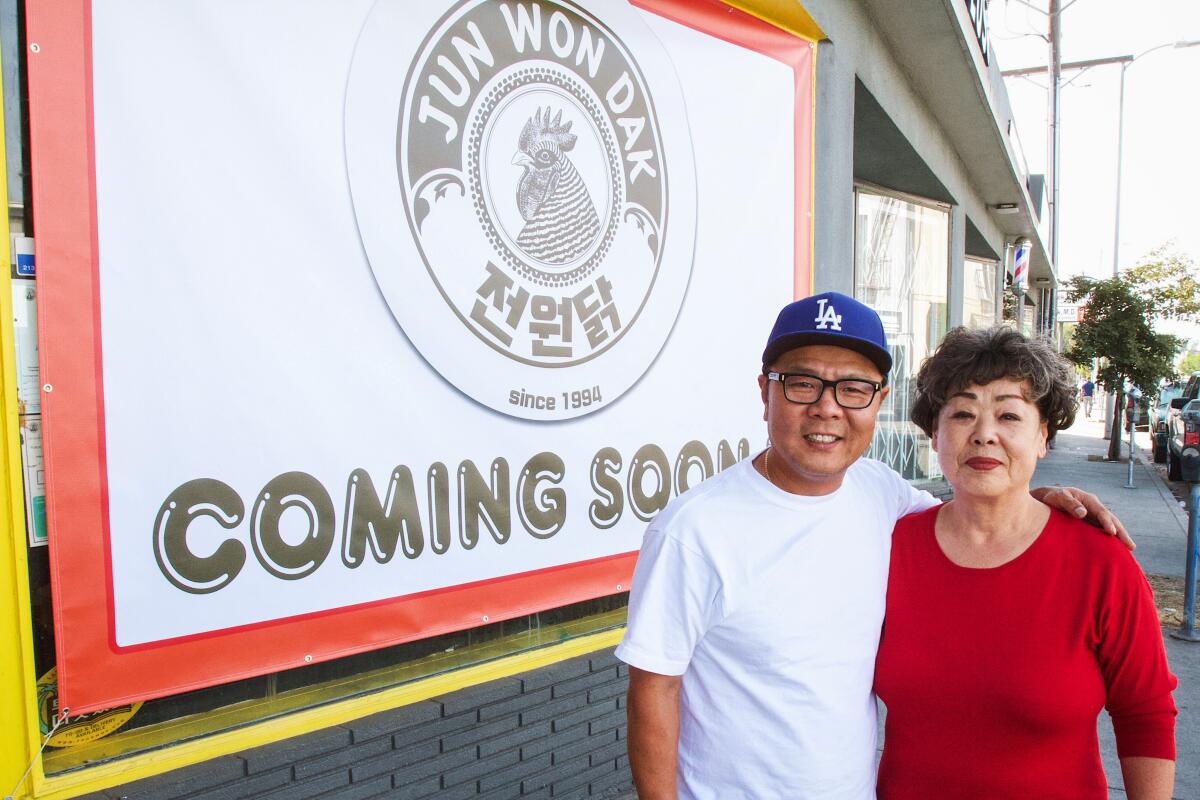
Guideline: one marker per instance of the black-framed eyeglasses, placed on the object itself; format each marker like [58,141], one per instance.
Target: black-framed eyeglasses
[799,387]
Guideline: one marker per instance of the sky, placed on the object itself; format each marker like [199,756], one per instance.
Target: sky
[1160,186]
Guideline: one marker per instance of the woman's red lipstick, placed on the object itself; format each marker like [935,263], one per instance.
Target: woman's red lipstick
[979,462]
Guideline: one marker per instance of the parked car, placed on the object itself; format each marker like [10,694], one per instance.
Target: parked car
[1159,413]
[1176,428]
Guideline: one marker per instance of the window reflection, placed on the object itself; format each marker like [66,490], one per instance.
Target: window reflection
[979,293]
[901,269]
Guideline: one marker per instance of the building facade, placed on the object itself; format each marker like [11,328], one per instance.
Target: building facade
[444,627]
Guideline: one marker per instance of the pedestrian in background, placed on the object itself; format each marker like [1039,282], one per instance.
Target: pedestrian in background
[1086,394]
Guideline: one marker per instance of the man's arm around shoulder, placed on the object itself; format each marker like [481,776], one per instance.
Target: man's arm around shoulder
[653,709]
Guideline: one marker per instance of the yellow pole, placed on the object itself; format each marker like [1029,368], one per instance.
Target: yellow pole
[18,706]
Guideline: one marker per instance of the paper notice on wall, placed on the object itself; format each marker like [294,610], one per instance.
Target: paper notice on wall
[24,300]
[22,256]
[35,479]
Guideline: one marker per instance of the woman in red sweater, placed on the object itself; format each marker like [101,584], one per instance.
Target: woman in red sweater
[1008,624]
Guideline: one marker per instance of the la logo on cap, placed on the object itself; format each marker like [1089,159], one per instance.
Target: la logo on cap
[827,317]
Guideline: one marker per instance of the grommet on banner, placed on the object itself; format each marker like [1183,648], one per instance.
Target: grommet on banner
[47,387]
[59,720]
[308,659]
[485,617]
[34,47]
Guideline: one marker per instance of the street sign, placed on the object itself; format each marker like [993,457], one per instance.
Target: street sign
[1069,312]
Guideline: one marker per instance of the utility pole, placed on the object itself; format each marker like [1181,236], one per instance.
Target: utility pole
[1124,62]
[1052,153]
[1120,151]
[1112,415]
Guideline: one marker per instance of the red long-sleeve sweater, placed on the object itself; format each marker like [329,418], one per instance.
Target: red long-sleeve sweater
[993,678]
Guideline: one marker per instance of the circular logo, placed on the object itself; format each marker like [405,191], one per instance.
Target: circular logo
[79,729]
[550,228]
[534,238]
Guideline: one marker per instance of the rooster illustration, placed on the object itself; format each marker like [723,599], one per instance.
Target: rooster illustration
[560,218]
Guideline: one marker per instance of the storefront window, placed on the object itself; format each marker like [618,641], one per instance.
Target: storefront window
[979,293]
[901,269]
[167,720]
[1028,318]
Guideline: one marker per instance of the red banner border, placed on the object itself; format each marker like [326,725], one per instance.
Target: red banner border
[93,672]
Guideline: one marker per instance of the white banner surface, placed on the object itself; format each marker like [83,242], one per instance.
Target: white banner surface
[396,300]
[309,287]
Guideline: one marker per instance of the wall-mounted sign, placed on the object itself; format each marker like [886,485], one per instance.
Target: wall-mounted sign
[977,13]
[498,289]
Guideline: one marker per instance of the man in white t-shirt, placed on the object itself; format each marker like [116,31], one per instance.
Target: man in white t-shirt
[758,595]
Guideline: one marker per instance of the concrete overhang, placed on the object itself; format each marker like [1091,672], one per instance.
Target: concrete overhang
[935,45]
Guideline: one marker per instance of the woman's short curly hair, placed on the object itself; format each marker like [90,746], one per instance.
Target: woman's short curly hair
[977,357]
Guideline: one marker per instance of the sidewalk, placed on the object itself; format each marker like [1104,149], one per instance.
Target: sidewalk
[1158,524]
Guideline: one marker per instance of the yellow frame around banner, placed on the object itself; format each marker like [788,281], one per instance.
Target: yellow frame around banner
[20,736]
[786,15]
[19,733]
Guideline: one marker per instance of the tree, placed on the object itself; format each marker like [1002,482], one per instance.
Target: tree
[1068,341]
[1168,281]
[1190,363]
[1118,328]
[1012,311]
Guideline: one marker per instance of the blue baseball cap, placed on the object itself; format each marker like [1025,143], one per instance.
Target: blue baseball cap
[833,319]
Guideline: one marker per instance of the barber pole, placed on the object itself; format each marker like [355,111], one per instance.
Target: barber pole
[1021,264]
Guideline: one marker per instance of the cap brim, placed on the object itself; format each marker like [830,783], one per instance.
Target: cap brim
[878,356]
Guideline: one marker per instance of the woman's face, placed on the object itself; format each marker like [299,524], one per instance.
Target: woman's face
[989,439]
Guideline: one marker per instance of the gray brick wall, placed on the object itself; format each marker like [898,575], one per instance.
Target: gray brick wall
[557,732]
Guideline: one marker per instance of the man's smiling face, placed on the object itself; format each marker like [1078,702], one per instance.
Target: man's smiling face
[813,445]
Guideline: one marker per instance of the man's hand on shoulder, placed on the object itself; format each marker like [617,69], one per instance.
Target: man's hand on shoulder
[1086,506]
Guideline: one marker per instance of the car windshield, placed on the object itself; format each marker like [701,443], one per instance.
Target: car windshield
[1167,393]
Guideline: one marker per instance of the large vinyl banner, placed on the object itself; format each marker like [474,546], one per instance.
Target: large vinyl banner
[370,321]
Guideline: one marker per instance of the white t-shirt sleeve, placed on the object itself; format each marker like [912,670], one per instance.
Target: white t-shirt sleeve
[907,498]
[674,600]
[913,500]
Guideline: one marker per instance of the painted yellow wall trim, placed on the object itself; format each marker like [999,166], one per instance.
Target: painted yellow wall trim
[18,706]
[787,15]
[145,765]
